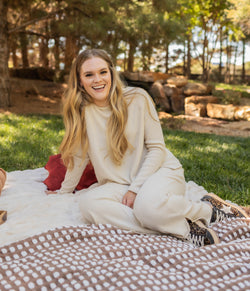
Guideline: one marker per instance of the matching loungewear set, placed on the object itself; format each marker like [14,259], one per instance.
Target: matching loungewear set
[148,169]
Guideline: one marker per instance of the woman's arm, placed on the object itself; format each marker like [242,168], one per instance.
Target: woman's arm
[73,176]
[154,143]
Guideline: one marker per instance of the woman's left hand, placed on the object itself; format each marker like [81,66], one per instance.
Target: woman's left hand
[48,192]
[129,198]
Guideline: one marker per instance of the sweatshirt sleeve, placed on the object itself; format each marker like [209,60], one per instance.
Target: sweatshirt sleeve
[73,176]
[154,143]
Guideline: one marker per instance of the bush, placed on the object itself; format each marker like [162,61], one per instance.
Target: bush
[228,96]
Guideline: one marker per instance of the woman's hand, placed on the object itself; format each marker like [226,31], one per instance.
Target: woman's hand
[48,192]
[129,198]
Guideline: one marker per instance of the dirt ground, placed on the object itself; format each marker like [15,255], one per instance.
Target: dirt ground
[35,96]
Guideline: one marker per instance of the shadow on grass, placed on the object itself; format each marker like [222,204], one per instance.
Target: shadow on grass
[218,163]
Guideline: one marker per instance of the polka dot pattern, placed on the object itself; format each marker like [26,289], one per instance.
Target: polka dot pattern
[102,257]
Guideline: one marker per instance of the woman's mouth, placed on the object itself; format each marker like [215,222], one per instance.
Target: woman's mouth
[100,87]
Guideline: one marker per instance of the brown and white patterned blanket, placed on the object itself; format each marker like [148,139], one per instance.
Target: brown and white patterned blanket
[102,257]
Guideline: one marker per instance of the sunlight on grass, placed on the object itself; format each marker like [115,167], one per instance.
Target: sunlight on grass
[218,163]
[26,142]
[232,87]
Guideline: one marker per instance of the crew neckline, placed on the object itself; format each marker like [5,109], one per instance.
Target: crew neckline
[101,107]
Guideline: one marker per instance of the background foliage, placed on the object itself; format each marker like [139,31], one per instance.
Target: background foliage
[136,33]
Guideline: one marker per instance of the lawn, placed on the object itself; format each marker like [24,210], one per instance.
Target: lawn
[26,142]
[219,163]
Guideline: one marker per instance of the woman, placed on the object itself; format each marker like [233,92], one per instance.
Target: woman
[141,185]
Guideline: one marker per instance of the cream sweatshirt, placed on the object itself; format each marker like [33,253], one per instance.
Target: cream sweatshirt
[144,133]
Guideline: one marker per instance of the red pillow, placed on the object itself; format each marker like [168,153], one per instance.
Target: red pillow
[57,172]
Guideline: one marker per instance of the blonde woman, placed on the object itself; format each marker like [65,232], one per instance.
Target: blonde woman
[141,184]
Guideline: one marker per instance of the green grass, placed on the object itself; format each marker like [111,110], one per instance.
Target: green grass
[219,163]
[236,87]
[243,89]
[26,142]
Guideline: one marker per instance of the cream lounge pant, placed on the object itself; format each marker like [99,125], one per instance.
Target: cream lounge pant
[160,205]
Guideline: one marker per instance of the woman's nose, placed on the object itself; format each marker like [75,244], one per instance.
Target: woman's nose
[97,77]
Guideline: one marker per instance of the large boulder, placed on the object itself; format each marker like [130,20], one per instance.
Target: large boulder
[197,105]
[172,90]
[178,81]
[201,99]
[197,89]
[145,76]
[220,111]
[169,89]
[177,103]
[242,113]
[160,76]
[157,93]
[196,109]
[165,115]
[175,96]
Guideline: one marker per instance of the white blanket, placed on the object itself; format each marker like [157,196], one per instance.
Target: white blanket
[31,211]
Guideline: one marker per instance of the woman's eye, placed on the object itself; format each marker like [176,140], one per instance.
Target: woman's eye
[88,75]
[104,72]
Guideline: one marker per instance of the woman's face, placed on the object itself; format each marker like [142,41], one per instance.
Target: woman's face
[95,77]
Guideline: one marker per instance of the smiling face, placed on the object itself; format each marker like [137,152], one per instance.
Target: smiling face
[96,79]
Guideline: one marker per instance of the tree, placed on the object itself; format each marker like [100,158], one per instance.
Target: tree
[239,14]
[210,14]
[16,27]
[4,54]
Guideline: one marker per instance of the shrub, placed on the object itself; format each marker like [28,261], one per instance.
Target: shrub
[228,96]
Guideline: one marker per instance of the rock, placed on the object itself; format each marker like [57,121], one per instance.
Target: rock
[160,76]
[175,96]
[145,76]
[201,99]
[169,89]
[242,113]
[197,89]
[221,111]
[198,109]
[198,105]
[157,93]
[178,81]
[163,114]
[131,76]
[177,103]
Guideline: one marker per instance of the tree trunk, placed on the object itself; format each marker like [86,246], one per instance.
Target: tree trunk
[243,71]
[13,48]
[125,61]
[184,67]
[44,53]
[57,53]
[227,74]
[166,58]
[4,71]
[204,63]
[189,57]
[24,48]
[70,51]
[234,68]
[221,52]
[115,48]
[131,56]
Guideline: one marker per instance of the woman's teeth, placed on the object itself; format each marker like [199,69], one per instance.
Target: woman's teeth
[98,87]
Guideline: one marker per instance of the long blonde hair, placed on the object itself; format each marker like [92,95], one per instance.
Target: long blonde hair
[75,100]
